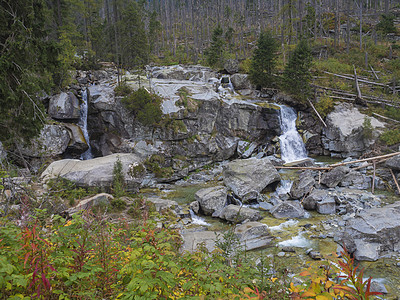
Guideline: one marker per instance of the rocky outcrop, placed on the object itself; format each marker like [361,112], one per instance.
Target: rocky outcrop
[372,233]
[64,106]
[97,172]
[77,144]
[247,178]
[345,134]
[231,66]
[241,82]
[212,199]
[52,141]
[193,73]
[237,214]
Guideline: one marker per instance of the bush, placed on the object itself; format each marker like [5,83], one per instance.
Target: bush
[324,106]
[122,90]
[118,179]
[146,107]
[391,137]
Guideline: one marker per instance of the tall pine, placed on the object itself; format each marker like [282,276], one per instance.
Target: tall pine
[297,75]
[28,60]
[263,62]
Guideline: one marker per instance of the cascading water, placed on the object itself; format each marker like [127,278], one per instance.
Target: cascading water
[292,146]
[83,125]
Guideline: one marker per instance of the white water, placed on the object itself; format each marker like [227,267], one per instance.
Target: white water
[197,220]
[284,225]
[292,146]
[297,241]
[284,187]
[83,124]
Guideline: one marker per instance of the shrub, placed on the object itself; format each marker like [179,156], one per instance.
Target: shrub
[122,90]
[391,137]
[118,184]
[146,107]
[367,128]
[324,106]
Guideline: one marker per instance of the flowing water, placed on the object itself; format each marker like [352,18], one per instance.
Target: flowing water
[292,146]
[83,125]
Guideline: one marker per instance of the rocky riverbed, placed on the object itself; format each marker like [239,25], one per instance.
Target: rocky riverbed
[218,163]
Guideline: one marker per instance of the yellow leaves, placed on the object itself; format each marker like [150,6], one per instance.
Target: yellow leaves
[273,279]
[305,273]
[322,297]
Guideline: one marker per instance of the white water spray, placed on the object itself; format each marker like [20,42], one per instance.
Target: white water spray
[292,146]
[83,124]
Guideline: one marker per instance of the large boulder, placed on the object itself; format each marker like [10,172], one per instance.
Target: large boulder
[247,178]
[372,233]
[344,134]
[212,199]
[231,66]
[193,240]
[288,210]
[303,185]
[53,140]
[241,82]
[393,163]
[253,235]
[98,201]
[237,214]
[97,172]
[333,177]
[64,106]
[322,201]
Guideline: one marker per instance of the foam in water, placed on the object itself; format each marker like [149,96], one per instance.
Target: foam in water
[197,220]
[284,187]
[83,124]
[286,224]
[292,146]
[297,241]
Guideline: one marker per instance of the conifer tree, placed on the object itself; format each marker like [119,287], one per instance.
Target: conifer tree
[264,61]
[297,74]
[28,61]
[214,54]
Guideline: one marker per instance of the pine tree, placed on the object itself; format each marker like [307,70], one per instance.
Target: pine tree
[264,61]
[214,54]
[28,59]
[297,74]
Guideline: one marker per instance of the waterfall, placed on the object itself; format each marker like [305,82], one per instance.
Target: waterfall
[292,146]
[83,124]
[197,220]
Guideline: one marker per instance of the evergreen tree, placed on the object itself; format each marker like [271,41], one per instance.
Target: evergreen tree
[134,44]
[214,54]
[297,75]
[27,62]
[263,62]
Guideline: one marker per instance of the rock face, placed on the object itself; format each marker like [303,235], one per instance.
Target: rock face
[64,106]
[248,177]
[204,131]
[97,172]
[212,199]
[237,214]
[241,82]
[344,135]
[288,210]
[373,233]
[231,66]
[77,143]
[52,141]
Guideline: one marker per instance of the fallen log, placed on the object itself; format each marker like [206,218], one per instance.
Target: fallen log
[319,116]
[395,180]
[360,80]
[385,118]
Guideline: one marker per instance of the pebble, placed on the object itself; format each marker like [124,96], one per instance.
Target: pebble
[281,254]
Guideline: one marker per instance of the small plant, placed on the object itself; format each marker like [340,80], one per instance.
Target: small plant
[367,128]
[324,106]
[118,204]
[118,179]
[391,137]
[136,170]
